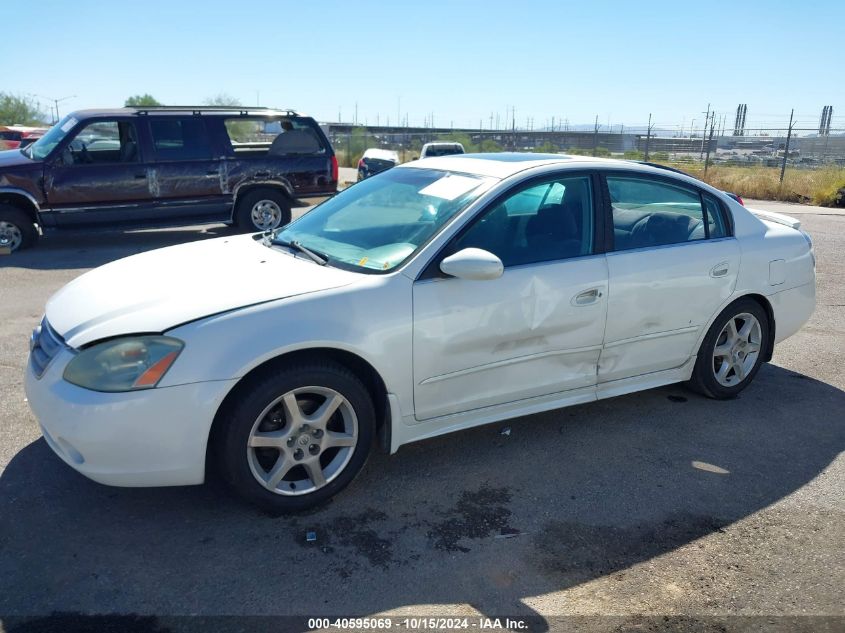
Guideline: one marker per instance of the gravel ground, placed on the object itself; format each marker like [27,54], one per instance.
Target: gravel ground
[653,505]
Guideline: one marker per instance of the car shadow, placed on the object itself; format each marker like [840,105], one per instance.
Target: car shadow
[89,249]
[490,517]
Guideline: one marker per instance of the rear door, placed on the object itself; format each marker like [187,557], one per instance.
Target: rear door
[673,264]
[99,175]
[185,174]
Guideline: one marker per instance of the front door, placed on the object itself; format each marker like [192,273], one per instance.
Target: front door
[673,265]
[534,331]
[99,176]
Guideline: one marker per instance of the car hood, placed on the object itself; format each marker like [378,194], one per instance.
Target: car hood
[13,158]
[160,289]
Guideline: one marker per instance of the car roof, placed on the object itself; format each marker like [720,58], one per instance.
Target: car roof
[183,110]
[504,164]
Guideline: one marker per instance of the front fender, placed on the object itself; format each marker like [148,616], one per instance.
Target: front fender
[371,319]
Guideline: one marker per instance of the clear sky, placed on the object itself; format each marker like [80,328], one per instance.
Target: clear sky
[460,60]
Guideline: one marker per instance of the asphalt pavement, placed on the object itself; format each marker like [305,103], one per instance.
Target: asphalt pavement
[718,515]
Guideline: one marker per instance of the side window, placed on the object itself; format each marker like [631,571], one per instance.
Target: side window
[251,136]
[653,213]
[101,143]
[545,222]
[717,223]
[179,139]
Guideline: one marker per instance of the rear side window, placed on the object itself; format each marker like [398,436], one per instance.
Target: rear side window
[654,213]
[180,139]
[262,136]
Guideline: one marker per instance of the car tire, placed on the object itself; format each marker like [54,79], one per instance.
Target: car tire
[263,209]
[269,453]
[732,351]
[17,230]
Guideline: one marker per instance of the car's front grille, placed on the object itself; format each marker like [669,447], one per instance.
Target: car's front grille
[44,344]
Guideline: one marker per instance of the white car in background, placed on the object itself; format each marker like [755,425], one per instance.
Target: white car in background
[444,294]
[375,160]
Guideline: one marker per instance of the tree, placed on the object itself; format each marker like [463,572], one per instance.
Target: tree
[142,100]
[222,99]
[17,110]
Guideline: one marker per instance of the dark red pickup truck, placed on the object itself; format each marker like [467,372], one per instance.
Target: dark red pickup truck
[165,166]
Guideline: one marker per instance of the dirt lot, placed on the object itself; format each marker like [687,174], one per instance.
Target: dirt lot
[660,503]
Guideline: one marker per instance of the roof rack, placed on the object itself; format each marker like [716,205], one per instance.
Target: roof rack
[198,110]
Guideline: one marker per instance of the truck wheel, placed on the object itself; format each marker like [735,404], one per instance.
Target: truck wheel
[17,230]
[262,209]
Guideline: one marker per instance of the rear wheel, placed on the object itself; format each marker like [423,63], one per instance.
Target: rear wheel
[733,350]
[17,230]
[262,209]
[293,439]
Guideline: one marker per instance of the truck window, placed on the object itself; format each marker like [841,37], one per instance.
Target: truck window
[179,139]
[272,137]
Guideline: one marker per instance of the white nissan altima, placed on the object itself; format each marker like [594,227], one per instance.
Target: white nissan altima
[436,296]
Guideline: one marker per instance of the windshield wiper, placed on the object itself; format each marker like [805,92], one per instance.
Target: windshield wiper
[322,260]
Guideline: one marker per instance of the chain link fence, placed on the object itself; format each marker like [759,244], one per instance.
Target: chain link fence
[801,165]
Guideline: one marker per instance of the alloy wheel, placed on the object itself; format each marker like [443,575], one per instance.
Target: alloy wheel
[737,348]
[266,215]
[302,440]
[10,235]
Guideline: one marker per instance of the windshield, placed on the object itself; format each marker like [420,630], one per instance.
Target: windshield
[381,221]
[43,146]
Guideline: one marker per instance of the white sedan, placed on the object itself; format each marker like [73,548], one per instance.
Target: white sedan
[436,296]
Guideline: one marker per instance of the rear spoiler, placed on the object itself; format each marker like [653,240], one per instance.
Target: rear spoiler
[778,218]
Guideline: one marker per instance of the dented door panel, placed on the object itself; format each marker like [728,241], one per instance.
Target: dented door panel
[483,343]
[659,300]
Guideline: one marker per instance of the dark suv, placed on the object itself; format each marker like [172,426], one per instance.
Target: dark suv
[165,166]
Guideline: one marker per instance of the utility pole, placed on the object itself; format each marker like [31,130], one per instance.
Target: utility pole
[356,113]
[513,127]
[596,136]
[786,149]
[704,131]
[647,136]
[709,143]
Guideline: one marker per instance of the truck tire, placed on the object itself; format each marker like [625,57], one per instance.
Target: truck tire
[17,229]
[262,209]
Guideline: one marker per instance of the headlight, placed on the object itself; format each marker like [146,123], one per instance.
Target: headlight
[124,364]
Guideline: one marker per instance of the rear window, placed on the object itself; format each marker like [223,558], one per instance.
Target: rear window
[443,151]
[261,136]
[180,139]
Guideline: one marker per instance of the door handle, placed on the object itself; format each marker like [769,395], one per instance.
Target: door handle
[588,297]
[212,173]
[720,269]
[140,176]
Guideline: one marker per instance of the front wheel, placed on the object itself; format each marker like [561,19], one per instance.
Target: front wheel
[17,230]
[262,209]
[293,439]
[733,350]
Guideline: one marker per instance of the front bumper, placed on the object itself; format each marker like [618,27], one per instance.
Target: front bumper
[154,437]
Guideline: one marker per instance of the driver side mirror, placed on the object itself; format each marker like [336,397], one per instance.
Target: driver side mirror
[473,263]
